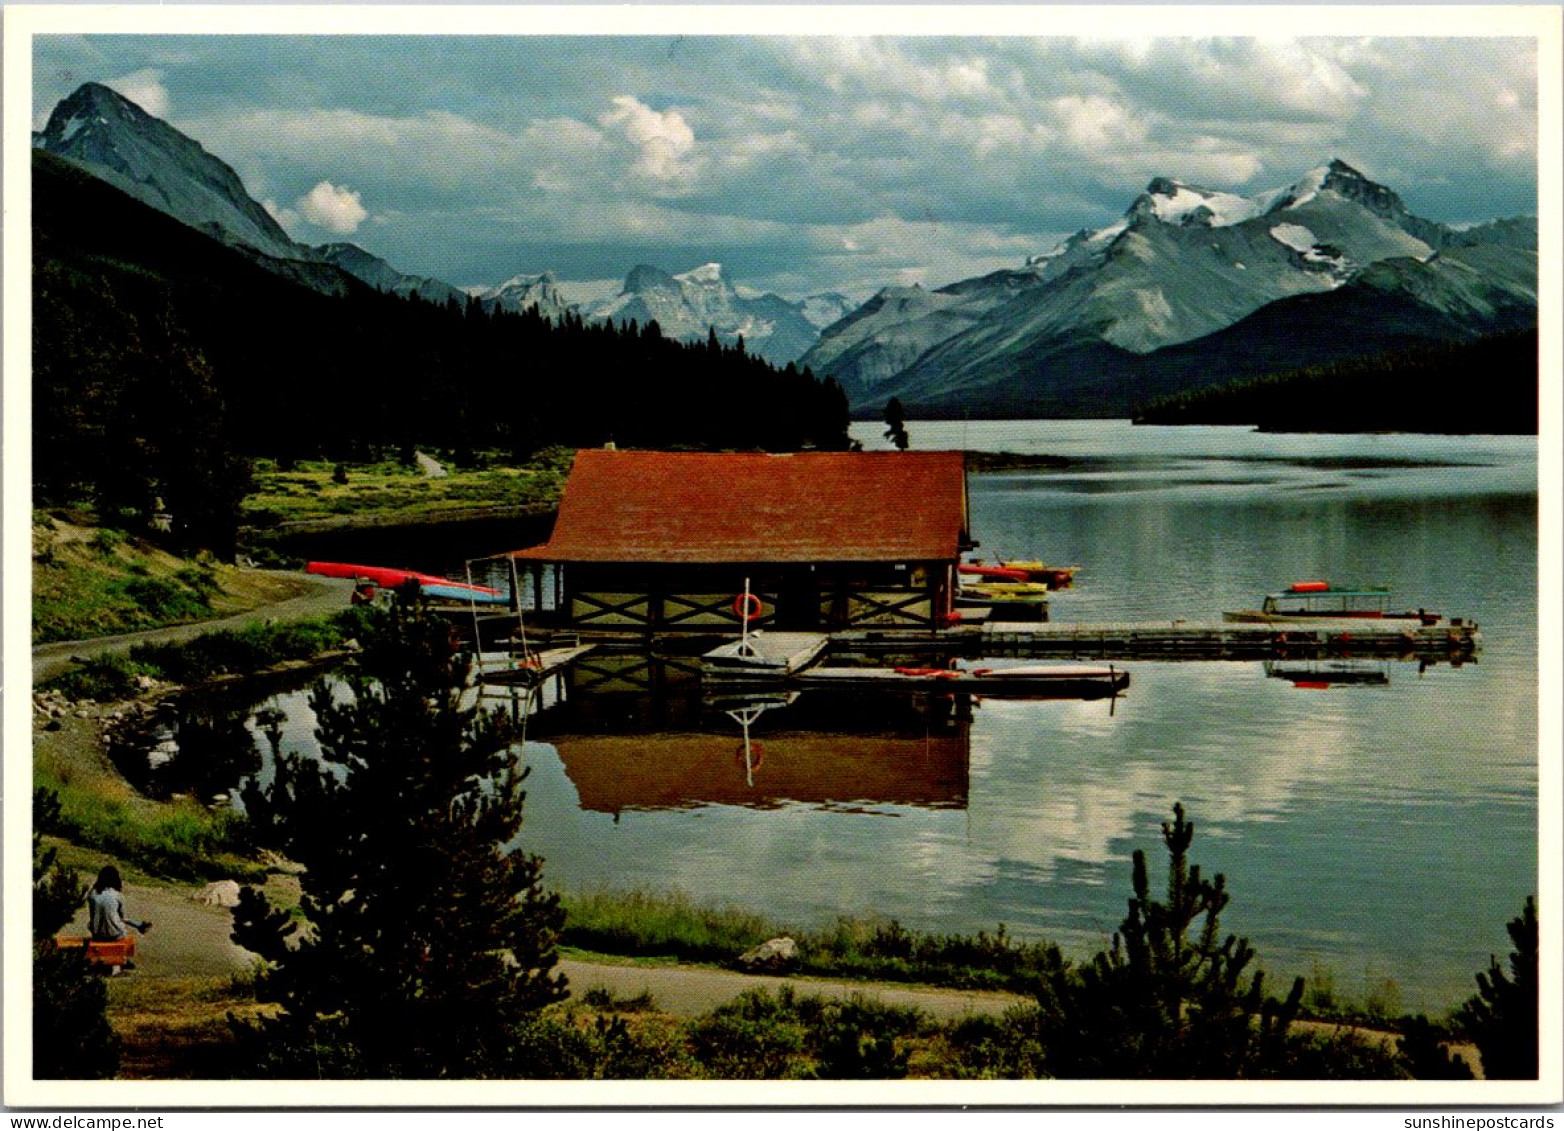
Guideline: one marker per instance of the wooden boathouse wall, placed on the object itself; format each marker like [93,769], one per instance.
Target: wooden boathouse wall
[666,542]
[830,596]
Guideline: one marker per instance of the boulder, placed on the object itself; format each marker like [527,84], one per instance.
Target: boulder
[222,893]
[773,954]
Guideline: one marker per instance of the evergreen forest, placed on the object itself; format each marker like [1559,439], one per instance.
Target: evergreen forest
[1486,386]
[164,361]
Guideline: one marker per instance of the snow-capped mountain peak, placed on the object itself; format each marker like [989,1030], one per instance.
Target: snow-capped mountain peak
[525,291]
[1174,202]
[706,275]
[1184,264]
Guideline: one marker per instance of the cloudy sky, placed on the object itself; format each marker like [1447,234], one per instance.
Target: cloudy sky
[802,164]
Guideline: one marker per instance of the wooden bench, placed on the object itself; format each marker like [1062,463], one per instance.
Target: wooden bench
[113,954]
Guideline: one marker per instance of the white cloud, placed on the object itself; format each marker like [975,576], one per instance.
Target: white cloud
[663,138]
[335,209]
[145,88]
[795,155]
[1095,122]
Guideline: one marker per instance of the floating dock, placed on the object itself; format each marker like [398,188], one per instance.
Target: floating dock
[764,655]
[1226,640]
[1033,681]
[534,669]
[1448,641]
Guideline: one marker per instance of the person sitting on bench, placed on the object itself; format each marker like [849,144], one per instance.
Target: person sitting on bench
[106,909]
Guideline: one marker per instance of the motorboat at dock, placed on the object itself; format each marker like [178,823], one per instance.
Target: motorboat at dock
[1312,601]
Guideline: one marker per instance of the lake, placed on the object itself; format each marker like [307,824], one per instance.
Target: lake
[1384,829]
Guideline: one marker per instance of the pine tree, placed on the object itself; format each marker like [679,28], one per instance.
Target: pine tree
[1502,1017]
[428,943]
[1160,1002]
[72,1039]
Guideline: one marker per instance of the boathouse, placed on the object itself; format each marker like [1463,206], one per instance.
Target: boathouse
[668,541]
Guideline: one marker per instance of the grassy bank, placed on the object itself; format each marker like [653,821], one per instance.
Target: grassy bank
[225,652]
[389,491]
[99,810]
[180,837]
[95,581]
[672,926]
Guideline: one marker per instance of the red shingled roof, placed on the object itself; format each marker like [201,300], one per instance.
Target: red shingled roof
[744,507]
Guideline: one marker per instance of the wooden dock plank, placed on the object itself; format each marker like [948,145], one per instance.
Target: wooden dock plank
[1225,639]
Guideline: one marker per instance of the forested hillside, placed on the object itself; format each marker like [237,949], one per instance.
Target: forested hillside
[164,360]
[1487,386]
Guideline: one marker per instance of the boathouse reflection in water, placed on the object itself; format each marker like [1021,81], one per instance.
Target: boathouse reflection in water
[636,732]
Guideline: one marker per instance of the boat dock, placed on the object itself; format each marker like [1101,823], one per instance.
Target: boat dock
[1226,640]
[764,655]
[530,670]
[1056,681]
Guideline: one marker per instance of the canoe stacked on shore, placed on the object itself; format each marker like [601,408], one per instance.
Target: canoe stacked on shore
[430,586]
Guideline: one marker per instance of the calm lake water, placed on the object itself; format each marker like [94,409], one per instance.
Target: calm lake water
[1386,830]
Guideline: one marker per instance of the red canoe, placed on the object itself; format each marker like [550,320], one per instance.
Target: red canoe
[388,578]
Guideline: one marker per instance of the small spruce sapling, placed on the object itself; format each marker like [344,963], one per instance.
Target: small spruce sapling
[1160,1002]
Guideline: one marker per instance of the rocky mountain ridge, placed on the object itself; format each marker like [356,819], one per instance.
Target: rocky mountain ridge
[1110,316]
[108,135]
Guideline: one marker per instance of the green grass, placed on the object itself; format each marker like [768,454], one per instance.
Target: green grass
[179,839]
[639,923]
[671,925]
[1375,1001]
[98,581]
[884,950]
[311,491]
[89,582]
[245,650]
[240,651]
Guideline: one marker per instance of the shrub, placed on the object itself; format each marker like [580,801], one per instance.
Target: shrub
[992,1048]
[1338,1054]
[757,1036]
[765,1036]
[161,599]
[605,1000]
[1422,1049]
[104,678]
[569,1046]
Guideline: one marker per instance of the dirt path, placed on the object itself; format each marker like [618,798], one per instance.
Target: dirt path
[187,939]
[688,991]
[326,595]
[190,939]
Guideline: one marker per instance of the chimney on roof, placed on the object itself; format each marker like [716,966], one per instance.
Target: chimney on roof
[609,447]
